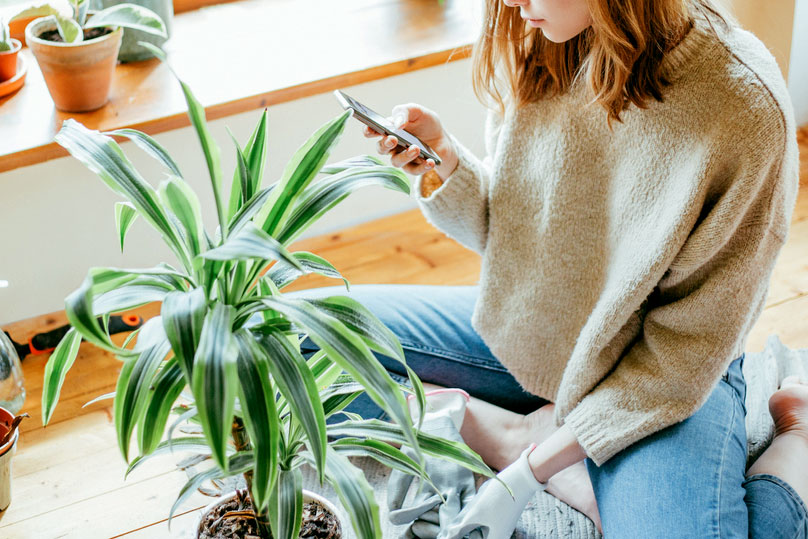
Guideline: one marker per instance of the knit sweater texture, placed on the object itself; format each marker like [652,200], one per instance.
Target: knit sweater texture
[622,270]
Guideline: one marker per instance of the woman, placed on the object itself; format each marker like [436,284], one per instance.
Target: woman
[639,182]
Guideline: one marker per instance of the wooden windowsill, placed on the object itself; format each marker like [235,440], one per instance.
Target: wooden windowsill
[245,55]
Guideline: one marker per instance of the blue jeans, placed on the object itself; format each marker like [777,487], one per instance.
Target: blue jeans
[687,480]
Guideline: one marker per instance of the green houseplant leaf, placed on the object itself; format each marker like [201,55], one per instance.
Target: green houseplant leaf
[128,16]
[214,379]
[125,215]
[56,369]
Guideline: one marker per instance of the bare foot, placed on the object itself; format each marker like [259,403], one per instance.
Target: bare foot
[789,408]
[499,436]
[573,487]
[786,456]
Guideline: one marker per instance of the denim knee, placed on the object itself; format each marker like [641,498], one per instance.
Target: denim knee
[775,509]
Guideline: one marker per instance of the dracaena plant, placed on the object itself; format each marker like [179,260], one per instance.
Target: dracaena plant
[261,406]
[71,29]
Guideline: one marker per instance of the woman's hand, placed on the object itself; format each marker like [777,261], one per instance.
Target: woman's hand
[424,124]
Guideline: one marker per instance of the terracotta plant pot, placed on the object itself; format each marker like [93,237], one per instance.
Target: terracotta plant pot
[8,61]
[308,496]
[6,452]
[78,75]
[17,28]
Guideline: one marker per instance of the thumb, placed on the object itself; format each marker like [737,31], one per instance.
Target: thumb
[403,115]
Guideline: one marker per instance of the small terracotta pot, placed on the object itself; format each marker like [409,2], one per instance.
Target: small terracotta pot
[6,452]
[78,75]
[308,496]
[8,61]
[17,28]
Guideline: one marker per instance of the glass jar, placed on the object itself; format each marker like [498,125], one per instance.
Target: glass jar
[12,391]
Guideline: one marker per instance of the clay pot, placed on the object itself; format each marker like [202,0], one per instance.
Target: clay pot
[308,496]
[8,61]
[78,75]
[6,452]
[17,28]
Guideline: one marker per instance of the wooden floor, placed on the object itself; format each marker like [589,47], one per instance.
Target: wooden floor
[68,478]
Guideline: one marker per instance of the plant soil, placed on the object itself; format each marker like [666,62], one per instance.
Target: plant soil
[234,520]
[89,33]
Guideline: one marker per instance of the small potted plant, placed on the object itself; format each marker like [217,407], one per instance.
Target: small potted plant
[17,23]
[9,434]
[78,54]
[228,334]
[9,47]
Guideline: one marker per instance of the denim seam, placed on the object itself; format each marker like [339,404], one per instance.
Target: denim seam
[452,356]
[721,465]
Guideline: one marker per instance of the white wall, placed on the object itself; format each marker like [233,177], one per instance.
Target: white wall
[798,68]
[57,218]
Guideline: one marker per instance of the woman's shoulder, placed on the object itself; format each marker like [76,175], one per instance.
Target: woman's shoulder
[739,78]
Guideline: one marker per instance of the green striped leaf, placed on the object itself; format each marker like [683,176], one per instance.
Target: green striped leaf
[249,209]
[58,364]
[284,274]
[261,419]
[177,195]
[129,16]
[251,243]
[214,379]
[102,155]
[255,154]
[162,393]
[299,172]
[236,464]
[356,495]
[381,452]
[150,146]
[196,113]
[139,292]
[286,505]
[363,322]
[435,446]
[296,383]
[187,443]
[137,373]
[125,215]
[350,352]
[79,310]
[352,162]
[322,196]
[183,315]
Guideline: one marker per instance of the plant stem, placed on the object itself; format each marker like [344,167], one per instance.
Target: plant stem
[242,441]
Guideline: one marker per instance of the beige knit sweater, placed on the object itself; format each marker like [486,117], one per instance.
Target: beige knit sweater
[622,271]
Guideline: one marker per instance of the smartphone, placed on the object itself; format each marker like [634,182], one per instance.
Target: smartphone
[380,124]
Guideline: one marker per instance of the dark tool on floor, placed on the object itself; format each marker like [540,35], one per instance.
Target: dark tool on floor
[43,343]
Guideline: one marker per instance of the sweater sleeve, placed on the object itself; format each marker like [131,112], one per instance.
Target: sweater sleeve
[699,314]
[459,207]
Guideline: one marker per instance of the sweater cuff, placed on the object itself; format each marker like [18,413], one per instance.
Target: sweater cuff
[457,185]
[599,429]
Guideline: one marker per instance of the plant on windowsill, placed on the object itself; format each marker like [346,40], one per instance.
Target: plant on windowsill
[78,54]
[9,47]
[260,405]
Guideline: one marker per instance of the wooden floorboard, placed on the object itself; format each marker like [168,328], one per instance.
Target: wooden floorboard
[69,477]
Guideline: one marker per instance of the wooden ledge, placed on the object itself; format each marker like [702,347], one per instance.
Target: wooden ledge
[245,55]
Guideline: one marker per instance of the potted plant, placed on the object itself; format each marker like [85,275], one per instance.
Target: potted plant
[78,54]
[17,23]
[9,47]
[8,445]
[260,407]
